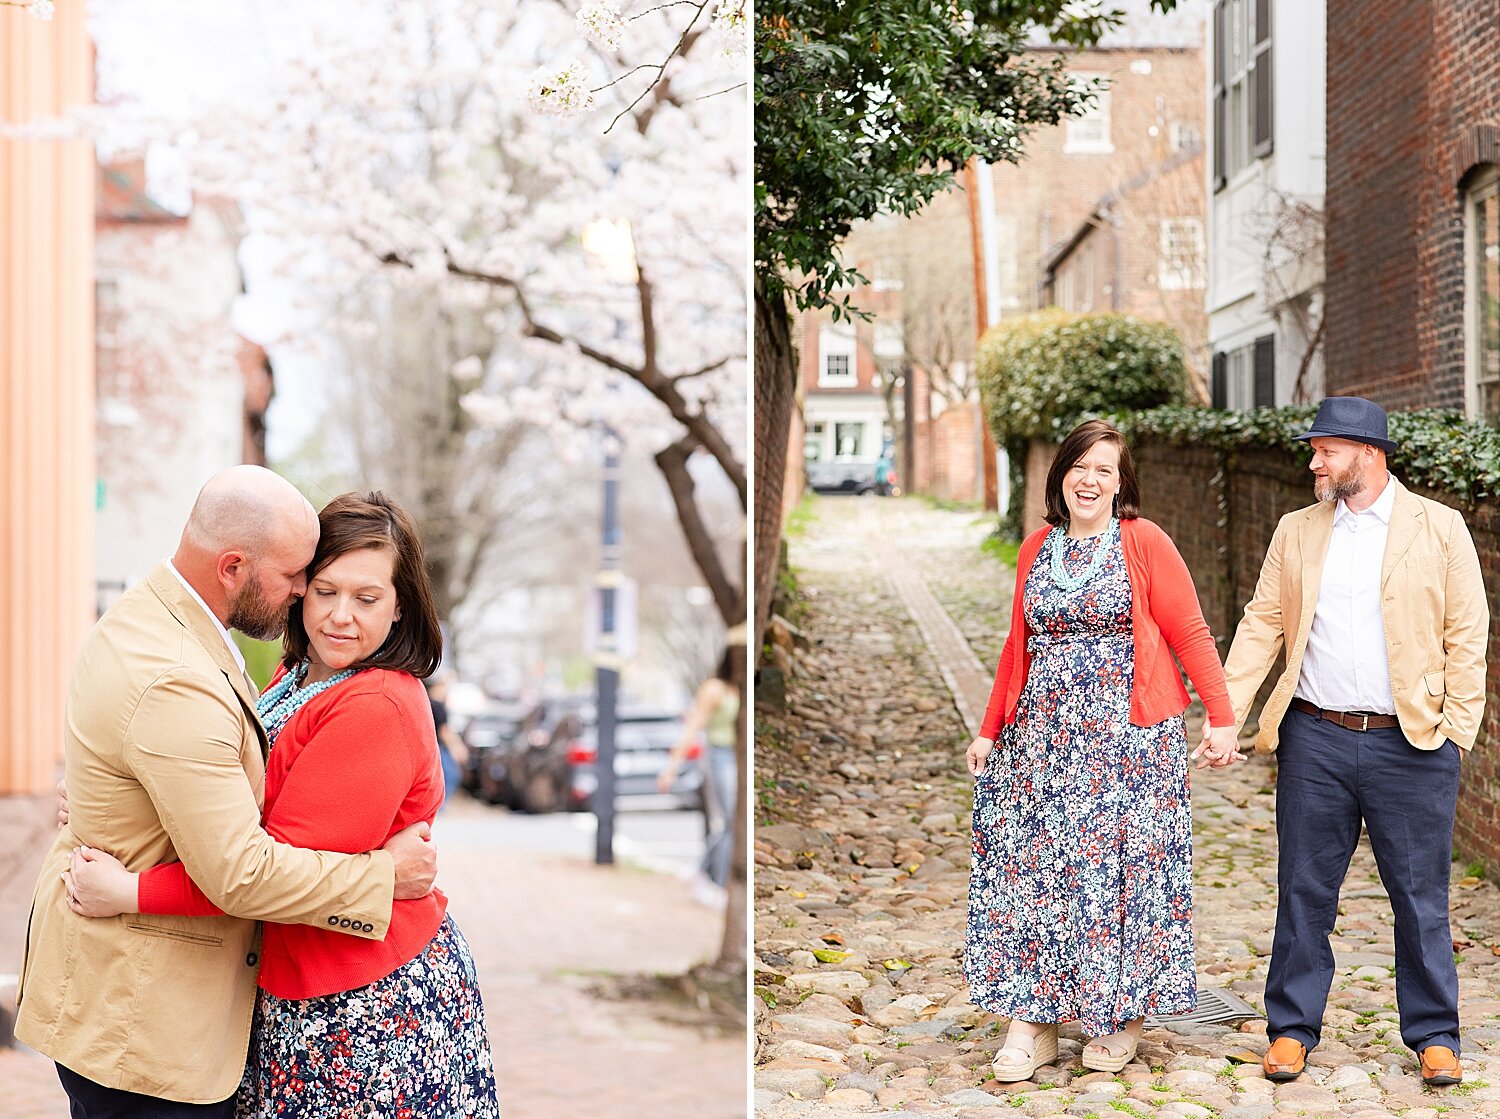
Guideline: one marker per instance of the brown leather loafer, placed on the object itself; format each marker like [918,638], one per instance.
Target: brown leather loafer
[1285,1060]
[1440,1066]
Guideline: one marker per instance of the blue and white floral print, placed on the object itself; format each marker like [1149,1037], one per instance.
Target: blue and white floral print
[1080,894]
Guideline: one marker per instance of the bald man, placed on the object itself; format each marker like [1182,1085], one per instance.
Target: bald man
[150,1015]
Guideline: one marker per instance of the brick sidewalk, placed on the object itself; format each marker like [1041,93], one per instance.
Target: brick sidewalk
[541,926]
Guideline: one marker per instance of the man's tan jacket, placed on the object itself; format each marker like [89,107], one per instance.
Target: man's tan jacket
[166,760]
[1437,621]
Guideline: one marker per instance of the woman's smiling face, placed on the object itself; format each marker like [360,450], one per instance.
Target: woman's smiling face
[349,608]
[1091,483]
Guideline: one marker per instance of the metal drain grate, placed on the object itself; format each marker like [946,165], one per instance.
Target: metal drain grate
[1214,1007]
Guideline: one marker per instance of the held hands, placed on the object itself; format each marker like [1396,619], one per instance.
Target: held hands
[99,885]
[1220,748]
[978,754]
[416,861]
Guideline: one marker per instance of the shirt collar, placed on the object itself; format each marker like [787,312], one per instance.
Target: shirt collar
[239,657]
[1382,508]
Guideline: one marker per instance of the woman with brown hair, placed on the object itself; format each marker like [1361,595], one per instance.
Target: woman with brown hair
[1080,896]
[346,1025]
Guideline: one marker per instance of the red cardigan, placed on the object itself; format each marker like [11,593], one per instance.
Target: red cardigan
[1164,617]
[351,768]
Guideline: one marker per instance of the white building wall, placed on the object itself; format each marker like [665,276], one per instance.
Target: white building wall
[171,413]
[1244,303]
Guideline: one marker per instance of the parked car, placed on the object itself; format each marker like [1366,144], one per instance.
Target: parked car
[493,736]
[540,774]
[643,738]
[842,475]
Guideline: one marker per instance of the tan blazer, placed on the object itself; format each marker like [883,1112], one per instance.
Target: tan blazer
[165,761]
[1437,620]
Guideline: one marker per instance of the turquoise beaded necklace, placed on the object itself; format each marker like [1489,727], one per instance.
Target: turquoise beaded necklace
[1057,546]
[284,698]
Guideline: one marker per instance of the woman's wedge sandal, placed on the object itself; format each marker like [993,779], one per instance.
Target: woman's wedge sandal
[1115,1058]
[1043,1051]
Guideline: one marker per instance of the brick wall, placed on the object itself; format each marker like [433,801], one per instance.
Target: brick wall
[1398,150]
[1041,202]
[1221,511]
[947,464]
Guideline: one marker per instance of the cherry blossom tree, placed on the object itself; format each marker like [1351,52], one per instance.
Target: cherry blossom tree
[447,147]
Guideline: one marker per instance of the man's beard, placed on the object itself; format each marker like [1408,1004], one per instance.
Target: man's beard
[1339,487]
[255,616]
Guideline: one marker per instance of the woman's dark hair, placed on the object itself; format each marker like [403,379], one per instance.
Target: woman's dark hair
[352,522]
[1078,443]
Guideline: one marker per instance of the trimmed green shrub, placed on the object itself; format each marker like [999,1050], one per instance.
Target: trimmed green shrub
[1041,373]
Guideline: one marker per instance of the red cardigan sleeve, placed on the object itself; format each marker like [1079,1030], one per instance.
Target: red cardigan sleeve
[1174,607]
[361,742]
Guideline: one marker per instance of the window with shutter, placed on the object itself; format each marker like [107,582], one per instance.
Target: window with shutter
[1218,387]
[1220,139]
[1265,371]
[1262,78]
[1242,86]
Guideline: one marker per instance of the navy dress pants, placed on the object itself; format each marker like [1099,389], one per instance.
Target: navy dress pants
[88,1100]
[1330,779]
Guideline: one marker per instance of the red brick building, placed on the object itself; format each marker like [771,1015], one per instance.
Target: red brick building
[1413,192]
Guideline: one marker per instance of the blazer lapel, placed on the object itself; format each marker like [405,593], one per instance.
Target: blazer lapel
[1313,536]
[1406,522]
[193,618]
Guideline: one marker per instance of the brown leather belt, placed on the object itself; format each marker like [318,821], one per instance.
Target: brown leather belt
[1349,720]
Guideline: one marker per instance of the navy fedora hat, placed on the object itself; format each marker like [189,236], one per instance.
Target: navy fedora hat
[1351,417]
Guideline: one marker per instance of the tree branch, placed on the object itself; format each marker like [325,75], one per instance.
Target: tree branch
[647,375]
[673,463]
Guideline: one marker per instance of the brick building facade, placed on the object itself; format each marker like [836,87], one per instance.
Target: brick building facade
[1413,258]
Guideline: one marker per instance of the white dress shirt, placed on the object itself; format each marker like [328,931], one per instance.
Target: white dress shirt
[1345,667]
[239,657]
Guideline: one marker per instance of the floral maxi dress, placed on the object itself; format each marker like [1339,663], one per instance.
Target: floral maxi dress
[1080,892]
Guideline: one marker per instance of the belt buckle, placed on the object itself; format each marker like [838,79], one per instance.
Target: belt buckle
[1364,722]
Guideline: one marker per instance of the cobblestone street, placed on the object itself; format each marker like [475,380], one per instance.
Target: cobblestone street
[862,859]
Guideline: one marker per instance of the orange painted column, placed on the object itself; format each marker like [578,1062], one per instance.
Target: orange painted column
[46,389]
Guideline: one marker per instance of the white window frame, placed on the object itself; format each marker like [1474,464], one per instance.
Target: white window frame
[836,340]
[1182,255]
[838,451]
[1089,134]
[815,441]
[1485,187]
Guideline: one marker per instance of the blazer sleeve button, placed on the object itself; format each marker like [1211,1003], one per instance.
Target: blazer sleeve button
[344,922]
[251,960]
[333,921]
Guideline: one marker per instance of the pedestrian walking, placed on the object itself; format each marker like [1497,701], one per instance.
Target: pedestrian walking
[1080,896]
[165,759]
[452,753]
[1375,594]
[716,715]
[346,1026]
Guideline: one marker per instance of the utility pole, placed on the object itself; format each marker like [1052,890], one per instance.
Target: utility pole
[607,659]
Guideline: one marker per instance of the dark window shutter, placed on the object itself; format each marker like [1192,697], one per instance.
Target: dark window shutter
[1219,98]
[1262,83]
[1218,387]
[1265,371]
[1219,24]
